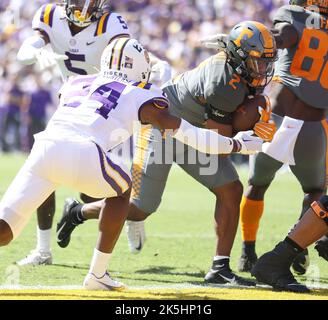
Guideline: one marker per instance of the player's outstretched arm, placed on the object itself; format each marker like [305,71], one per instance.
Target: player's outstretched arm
[285,34]
[30,48]
[203,140]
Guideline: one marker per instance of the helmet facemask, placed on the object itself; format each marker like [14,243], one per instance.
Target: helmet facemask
[83,12]
[260,71]
[252,52]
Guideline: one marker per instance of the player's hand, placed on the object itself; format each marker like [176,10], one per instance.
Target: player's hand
[248,144]
[265,130]
[47,59]
[161,72]
[218,42]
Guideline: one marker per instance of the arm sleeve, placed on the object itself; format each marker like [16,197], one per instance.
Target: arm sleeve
[203,140]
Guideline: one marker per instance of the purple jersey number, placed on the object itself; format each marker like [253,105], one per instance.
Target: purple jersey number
[75,57]
[108,95]
[122,22]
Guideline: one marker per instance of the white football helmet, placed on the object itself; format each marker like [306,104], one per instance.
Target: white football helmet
[127,58]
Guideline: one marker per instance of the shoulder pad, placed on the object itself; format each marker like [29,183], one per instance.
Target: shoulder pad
[44,16]
[287,13]
[102,24]
[112,24]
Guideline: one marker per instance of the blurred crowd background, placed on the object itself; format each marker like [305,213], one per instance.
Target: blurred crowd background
[169,28]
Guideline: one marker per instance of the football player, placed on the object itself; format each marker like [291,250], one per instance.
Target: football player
[300,98]
[72,150]
[273,268]
[77,31]
[206,97]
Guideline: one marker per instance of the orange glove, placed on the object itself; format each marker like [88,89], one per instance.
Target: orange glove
[265,113]
[265,130]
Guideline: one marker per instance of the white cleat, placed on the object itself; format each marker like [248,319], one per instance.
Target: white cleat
[91,282]
[136,235]
[36,258]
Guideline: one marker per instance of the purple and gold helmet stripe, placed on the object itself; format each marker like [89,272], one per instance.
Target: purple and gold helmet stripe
[102,25]
[47,14]
[113,174]
[117,53]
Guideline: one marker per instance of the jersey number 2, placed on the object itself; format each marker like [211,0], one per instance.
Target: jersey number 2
[315,53]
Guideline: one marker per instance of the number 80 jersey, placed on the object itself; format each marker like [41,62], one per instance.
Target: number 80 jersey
[304,67]
[83,49]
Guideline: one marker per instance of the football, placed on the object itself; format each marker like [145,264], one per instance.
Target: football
[247,114]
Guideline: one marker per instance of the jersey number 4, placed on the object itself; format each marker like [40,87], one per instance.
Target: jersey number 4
[312,48]
[108,96]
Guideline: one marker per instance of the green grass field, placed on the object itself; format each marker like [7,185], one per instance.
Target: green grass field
[178,251]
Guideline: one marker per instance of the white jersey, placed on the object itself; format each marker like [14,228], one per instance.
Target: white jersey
[101,109]
[85,48]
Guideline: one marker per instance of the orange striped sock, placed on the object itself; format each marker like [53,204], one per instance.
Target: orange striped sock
[250,215]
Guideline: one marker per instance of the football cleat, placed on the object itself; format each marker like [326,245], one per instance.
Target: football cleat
[322,247]
[273,269]
[301,263]
[248,257]
[91,282]
[220,273]
[136,235]
[36,258]
[66,225]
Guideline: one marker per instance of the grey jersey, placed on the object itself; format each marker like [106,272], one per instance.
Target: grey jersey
[304,68]
[212,90]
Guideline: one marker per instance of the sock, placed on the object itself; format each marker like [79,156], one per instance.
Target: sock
[99,263]
[221,262]
[77,214]
[248,248]
[250,214]
[216,258]
[44,240]
[295,246]
[285,252]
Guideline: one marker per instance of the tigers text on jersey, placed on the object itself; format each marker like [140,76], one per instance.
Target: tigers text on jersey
[101,109]
[214,81]
[304,67]
[83,49]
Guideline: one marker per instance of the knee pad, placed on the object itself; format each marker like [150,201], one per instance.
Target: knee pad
[320,208]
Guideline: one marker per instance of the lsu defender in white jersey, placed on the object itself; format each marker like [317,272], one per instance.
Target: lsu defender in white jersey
[72,149]
[78,31]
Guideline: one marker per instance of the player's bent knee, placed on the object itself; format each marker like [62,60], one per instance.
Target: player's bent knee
[147,206]
[6,235]
[320,208]
[136,214]
[231,192]
[255,192]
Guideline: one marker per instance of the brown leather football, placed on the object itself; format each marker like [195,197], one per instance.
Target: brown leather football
[246,115]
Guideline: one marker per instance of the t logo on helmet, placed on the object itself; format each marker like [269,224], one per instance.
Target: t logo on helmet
[246,32]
